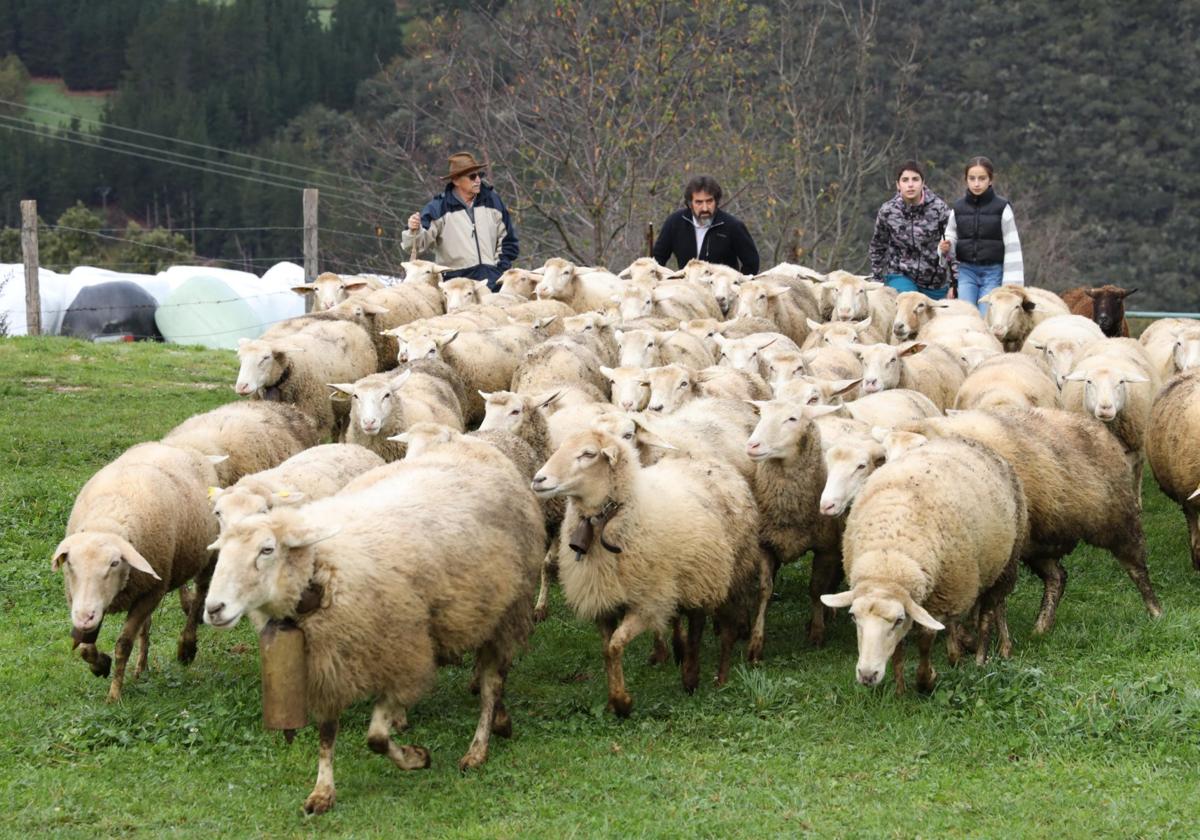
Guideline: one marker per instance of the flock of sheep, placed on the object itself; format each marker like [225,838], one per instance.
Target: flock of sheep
[661,442]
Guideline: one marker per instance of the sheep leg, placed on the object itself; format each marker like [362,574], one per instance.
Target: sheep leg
[1001,613]
[926,675]
[491,688]
[954,646]
[379,738]
[138,614]
[100,663]
[541,607]
[1048,567]
[143,648]
[185,599]
[898,668]
[323,793]
[631,626]
[691,654]
[758,635]
[1193,522]
[187,639]
[986,616]
[728,635]
[1132,557]
[660,654]
[826,571]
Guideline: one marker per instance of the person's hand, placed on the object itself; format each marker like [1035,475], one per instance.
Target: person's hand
[952,294]
[414,222]
[944,246]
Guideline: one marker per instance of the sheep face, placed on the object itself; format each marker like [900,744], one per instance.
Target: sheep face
[850,300]
[261,562]
[423,438]
[96,567]
[741,353]
[462,292]
[374,402]
[809,390]
[1060,355]
[504,411]
[586,323]
[972,357]
[633,303]
[1108,308]
[837,333]
[882,615]
[558,278]
[847,467]
[896,442]
[754,298]
[424,346]
[913,311]
[519,282]
[645,270]
[260,366]
[423,271]
[236,503]
[782,428]
[1186,352]
[639,348]
[725,287]
[1105,392]
[671,386]
[1009,311]
[630,388]
[785,366]
[581,468]
[882,365]
[705,329]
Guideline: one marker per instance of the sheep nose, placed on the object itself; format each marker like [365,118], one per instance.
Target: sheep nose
[214,610]
[658,407]
[868,676]
[827,508]
[627,405]
[539,480]
[900,330]
[242,389]
[870,385]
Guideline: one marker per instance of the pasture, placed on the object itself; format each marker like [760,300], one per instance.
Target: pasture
[53,95]
[1092,731]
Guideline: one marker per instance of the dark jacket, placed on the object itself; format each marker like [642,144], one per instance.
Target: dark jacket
[977,219]
[482,247]
[906,240]
[727,242]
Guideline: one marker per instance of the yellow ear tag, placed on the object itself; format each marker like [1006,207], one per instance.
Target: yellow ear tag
[283,494]
[212,492]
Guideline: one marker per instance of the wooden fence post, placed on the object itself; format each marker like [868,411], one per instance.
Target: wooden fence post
[29,247]
[310,243]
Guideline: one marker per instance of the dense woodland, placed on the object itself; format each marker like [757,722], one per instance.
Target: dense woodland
[595,113]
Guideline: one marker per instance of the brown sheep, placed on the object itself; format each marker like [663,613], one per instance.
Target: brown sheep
[1104,304]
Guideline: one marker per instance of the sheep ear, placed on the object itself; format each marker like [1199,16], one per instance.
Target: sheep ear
[840,599]
[768,343]
[304,290]
[812,412]
[618,335]
[60,554]
[777,291]
[812,325]
[843,386]
[399,379]
[1195,494]
[880,433]
[625,274]
[446,338]
[864,324]
[1075,376]
[305,536]
[608,372]
[374,308]
[667,335]
[650,439]
[242,342]
[136,561]
[872,285]
[1038,345]
[357,286]
[721,340]
[921,616]
[288,497]
[486,396]
[662,294]
[340,388]
[549,398]
[542,323]
[916,347]
[758,405]
[610,453]
[403,437]
[1135,377]
[217,459]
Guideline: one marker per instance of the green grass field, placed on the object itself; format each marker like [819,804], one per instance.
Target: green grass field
[1091,732]
[53,95]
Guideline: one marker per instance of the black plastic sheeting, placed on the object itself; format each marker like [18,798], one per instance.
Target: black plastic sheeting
[115,308]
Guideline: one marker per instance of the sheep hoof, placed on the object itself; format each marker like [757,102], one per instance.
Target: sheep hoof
[621,705]
[754,651]
[1043,626]
[102,665]
[471,760]
[114,693]
[816,635]
[502,724]
[691,682]
[187,651]
[925,683]
[319,801]
[659,655]
[539,614]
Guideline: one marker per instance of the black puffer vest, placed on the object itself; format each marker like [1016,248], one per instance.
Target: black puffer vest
[980,235]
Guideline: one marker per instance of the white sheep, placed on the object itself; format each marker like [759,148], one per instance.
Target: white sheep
[840,334]
[254,435]
[932,533]
[1011,379]
[651,348]
[1059,340]
[1076,486]
[305,477]
[930,369]
[673,386]
[856,298]
[1173,345]
[641,545]
[294,369]
[1171,437]
[140,528]
[557,363]
[914,310]
[386,404]
[788,303]
[676,301]
[330,289]
[746,353]
[436,561]
[582,290]
[1013,312]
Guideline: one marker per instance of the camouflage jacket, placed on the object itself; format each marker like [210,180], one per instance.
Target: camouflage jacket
[906,240]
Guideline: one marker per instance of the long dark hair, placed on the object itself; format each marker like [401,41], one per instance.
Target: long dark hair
[980,160]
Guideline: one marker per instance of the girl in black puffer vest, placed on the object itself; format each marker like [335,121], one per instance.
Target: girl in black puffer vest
[983,233]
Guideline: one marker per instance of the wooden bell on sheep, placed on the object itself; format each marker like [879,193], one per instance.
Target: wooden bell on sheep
[284,677]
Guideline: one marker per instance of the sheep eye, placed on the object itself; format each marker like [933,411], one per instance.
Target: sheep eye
[812,400]
[627,436]
[354,396]
[266,358]
[587,328]
[587,453]
[683,384]
[267,549]
[898,621]
[114,563]
[853,618]
[861,467]
[792,420]
[514,412]
[650,345]
[387,395]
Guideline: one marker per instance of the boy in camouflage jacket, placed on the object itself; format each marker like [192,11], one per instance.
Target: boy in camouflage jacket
[908,228]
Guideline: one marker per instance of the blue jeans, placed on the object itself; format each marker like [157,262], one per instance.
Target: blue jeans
[904,283]
[975,281]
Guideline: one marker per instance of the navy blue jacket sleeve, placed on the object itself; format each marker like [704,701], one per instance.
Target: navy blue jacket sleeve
[510,248]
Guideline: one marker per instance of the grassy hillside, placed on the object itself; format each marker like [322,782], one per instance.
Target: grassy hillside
[53,95]
[1091,732]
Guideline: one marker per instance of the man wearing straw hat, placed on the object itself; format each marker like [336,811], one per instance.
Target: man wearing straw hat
[467,225]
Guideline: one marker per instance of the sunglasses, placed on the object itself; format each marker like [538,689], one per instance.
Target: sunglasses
[476,176]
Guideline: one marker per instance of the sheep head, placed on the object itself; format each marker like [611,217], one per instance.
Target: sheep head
[96,567]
